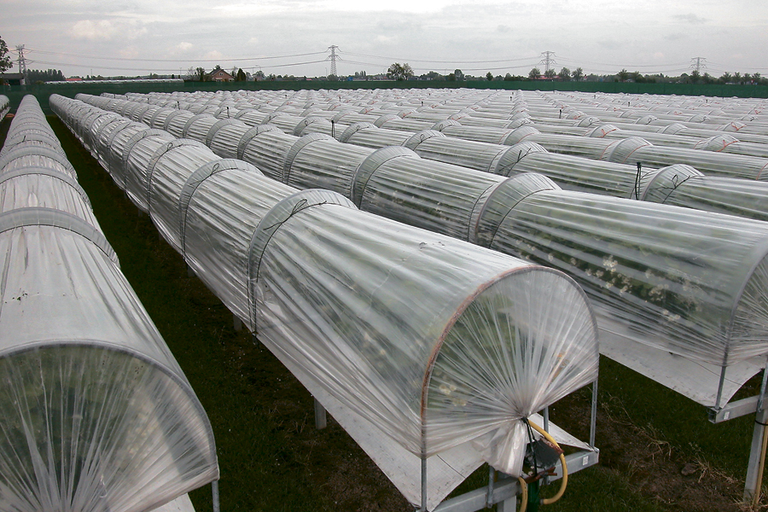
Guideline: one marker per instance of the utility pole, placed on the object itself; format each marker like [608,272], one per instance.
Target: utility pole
[333,58]
[548,59]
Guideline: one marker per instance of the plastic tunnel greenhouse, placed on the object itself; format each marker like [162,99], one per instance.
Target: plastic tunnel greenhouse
[428,350]
[97,414]
[641,298]
[395,182]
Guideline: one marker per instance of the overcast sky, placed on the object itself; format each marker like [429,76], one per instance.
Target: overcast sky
[136,37]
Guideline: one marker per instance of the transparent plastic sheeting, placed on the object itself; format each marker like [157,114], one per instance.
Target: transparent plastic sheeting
[5,106]
[97,415]
[680,185]
[396,183]
[627,151]
[437,346]
[268,151]
[687,284]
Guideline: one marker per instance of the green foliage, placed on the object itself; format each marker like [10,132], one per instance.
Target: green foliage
[399,71]
[5,59]
[534,74]
[51,75]
[240,76]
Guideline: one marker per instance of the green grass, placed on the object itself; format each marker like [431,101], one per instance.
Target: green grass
[271,456]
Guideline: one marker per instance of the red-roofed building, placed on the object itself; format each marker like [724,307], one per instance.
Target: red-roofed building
[219,75]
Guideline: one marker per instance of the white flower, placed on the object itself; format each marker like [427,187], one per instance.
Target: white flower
[609,263]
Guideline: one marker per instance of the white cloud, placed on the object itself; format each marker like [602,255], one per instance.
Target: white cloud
[101,30]
[106,30]
[213,54]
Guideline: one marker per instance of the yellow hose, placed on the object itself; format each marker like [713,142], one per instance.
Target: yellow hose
[524,497]
[564,483]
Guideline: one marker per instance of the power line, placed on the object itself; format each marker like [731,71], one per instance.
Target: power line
[238,59]
[400,59]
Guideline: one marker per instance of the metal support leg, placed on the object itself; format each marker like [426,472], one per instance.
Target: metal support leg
[754,481]
[491,481]
[215,490]
[593,415]
[321,421]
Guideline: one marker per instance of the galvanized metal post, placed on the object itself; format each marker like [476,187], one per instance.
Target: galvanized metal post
[215,491]
[237,323]
[321,421]
[593,417]
[491,481]
[424,495]
[754,480]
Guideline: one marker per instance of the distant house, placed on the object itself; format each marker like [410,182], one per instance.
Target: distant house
[12,78]
[219,75]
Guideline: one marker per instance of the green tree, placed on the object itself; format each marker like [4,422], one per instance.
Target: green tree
[725,78]
[578,74]
[534,74]
[695,76]
[200,74]
[399,71]
[240,76]
[564,75]
[550,73]
[622,76]
[489,76]
[5,59]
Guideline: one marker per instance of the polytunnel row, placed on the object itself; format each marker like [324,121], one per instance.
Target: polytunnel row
[490,109]
[97,414]
[610,267]
[677,184]
[659,276]
[5,106]
[428,350]
[694,116]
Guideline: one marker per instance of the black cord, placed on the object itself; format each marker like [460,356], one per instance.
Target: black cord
[531,441]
